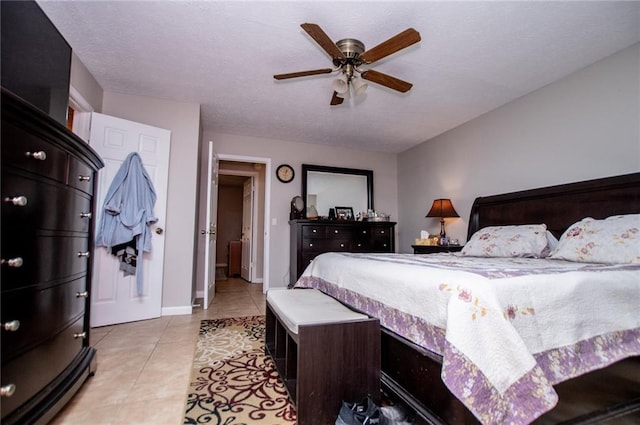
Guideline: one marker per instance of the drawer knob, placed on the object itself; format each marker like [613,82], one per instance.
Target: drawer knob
[7,390]
[382,232]
[13,262]
[341,245]
[84,254]
[336,231]
[310,244]
[40,155]
[11,326]
[314,231]
[85,215]
[84,294]
[84,178]
[19,201]
[78,335]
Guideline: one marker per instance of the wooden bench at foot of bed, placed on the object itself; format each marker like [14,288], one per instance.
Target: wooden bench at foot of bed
[324,352]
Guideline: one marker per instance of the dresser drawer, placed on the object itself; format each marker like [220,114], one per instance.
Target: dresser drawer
[326,245]
[20,153]
[381,233]
[382,240]
[313,232]
[339,232]
[362,241]
[80,176]
[46,259]
[307,258]
[49,206]
[41,313]
[35,369]
[382,245]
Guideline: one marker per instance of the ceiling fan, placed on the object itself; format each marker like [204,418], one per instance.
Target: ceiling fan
[349,54]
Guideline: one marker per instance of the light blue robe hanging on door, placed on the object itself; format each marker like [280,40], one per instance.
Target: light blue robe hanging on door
[128,211]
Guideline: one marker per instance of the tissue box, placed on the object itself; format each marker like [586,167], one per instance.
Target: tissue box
[420,241]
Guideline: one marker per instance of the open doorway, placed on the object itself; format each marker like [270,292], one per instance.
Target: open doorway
[233,173]
[237,224]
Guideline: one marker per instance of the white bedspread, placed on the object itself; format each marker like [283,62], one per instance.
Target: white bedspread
[508,329]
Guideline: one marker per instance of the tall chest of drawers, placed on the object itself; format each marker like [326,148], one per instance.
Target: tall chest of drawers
[47,239]
[310,238]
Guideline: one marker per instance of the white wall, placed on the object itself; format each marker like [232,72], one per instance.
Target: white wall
[296,154]
[183,120]
[82,81]
[584,126]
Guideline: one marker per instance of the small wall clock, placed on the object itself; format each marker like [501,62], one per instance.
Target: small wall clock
[285,173]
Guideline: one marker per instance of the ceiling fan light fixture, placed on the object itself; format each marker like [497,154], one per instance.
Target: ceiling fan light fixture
[341,85]
[344,95]
[359,86]
[348,55]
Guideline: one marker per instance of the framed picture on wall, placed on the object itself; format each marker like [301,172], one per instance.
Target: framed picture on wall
[344,213]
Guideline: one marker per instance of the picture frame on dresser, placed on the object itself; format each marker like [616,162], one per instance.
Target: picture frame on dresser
[344,213]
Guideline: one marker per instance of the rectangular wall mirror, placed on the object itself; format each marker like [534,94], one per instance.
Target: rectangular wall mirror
[327,187]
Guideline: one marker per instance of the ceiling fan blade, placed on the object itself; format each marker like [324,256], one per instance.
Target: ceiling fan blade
[336,100]
[398,42]
[303,73]
[386,80]
[323,40]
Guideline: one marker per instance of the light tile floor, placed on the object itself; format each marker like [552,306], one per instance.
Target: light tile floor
[144,367]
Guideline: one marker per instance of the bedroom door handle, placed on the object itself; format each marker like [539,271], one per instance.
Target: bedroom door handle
[159,230]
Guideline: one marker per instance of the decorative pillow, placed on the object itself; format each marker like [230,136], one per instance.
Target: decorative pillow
[614,240]
[528,240]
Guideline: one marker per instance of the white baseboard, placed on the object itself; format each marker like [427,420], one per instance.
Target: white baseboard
[177,311]
[259,280]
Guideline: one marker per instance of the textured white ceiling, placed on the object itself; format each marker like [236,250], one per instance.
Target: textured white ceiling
[473,57]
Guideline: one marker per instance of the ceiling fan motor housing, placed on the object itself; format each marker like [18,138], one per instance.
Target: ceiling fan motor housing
[351,49]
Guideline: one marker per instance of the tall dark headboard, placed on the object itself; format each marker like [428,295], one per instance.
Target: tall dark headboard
[559,206]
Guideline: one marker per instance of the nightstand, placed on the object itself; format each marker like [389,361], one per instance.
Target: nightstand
[433,249]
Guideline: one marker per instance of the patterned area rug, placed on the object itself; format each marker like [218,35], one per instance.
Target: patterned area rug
[232,381]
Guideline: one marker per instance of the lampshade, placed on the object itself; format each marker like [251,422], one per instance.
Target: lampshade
[341,84]
[344,95]
[359,86]
[442,208]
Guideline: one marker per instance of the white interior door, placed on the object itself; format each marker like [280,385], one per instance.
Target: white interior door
[114,297]
[211,231]
[247,230]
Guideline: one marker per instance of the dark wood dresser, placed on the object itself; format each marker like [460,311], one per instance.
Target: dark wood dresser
[310,238]
[47,242]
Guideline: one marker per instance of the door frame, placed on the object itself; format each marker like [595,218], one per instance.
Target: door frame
[254,214]
[211,227]
[82,117]
[267,206]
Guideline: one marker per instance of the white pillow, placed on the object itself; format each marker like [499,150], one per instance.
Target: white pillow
[529,240]
[614,240]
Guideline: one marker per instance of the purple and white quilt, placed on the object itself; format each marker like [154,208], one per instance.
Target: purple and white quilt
[507,328]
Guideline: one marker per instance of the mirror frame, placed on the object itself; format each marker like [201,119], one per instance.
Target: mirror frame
[338,170]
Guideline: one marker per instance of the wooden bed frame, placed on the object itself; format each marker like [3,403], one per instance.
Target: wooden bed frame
[412,373]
